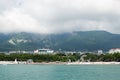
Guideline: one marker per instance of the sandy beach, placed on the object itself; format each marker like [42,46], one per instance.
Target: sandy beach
[7,62]
[78,63]
[24,62]
[66,63]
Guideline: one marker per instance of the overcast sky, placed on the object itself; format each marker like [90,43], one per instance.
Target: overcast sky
[56,16]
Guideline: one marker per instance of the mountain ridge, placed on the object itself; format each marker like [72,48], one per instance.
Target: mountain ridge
[77,40]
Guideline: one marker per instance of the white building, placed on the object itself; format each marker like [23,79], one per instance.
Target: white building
[116,50]
[43,51]
[100,52]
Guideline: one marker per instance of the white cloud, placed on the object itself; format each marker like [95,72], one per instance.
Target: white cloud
[49,16]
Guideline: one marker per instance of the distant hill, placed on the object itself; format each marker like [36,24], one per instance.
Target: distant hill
[79,40]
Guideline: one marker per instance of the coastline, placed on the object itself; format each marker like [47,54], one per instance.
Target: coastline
[92,63]
[65,63]
[7,62]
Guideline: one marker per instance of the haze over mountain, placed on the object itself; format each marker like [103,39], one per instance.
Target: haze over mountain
[78,40]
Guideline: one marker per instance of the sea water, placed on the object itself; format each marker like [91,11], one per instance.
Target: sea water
[59,72]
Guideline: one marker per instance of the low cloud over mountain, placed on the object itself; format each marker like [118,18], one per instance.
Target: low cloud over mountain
[57,16]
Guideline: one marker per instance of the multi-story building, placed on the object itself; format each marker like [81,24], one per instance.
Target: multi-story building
[116,50]
[43,51]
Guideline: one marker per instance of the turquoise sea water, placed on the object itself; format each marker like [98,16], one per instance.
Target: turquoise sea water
[59,72]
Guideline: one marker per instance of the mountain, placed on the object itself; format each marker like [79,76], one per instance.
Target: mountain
[78,40]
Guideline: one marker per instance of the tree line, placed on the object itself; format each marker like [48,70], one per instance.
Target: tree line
[37,57]
[103,57]
[61,57]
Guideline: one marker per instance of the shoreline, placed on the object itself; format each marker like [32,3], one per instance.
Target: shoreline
[64,63]
[7,62]
[92,63]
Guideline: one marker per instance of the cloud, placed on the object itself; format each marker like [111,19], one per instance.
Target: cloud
[56,16]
